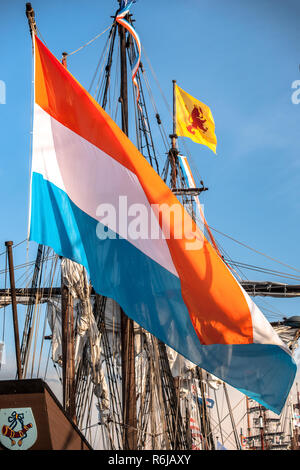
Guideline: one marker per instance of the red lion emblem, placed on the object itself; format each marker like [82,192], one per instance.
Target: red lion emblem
[197,121]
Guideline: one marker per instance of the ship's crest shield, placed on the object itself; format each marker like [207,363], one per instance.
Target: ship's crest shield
[18,429]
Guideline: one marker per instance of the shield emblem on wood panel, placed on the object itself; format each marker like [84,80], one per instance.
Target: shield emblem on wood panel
[18,429]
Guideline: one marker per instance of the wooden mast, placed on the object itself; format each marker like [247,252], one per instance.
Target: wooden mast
[9,245]
[68,365]
[67,335]
[67,317]
[127,326]
[31,18]
[173,152]
[262,428]
[248,422]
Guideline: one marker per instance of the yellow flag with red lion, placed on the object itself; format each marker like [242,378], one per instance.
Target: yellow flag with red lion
[194,119]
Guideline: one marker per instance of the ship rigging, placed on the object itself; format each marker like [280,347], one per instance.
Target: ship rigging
[146,395]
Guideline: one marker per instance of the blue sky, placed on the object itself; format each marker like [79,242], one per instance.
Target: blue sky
[238,57]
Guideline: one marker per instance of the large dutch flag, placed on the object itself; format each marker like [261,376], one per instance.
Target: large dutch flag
[188,298]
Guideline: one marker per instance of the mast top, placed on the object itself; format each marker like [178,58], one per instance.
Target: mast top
[31,18]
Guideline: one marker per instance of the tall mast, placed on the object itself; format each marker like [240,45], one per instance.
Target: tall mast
[67,335]
[9,245]
[248,421]
[127,326]
[174,135]
[173,152]
[66,299]
[123,90]
[31,18]
[261,428]
[68,366]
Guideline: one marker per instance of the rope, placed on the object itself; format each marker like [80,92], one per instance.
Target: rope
[26,278]
[157,82]
[47,363]
[89,42]
[275,314]
[263,270]
[98,87]
[20,243]
[160,126]
[256,251]
[51,279]
[14,246]
[40,34]
[106,45]
[24,265]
